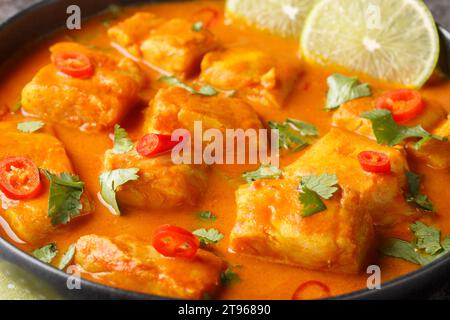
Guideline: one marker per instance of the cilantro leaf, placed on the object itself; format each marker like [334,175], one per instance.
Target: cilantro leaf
[229,277]
[312,203]
[67,257]
[174,81]
[427,238]
[121,142]
[343,89]
[388,132]
[198,26]
[324,185]
[207,237]
[110,181]
[64,201]
[304,128]
[425,248]
[400,249]
[313,188]
[208,91]
[115,10]
[294,134]
[46,253]
[30,126]
[207,216]
[414,195]
[266,171]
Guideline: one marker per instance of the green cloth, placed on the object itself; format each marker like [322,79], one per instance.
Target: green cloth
[16,284]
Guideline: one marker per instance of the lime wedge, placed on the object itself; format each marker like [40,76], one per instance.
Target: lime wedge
[282,17]
[394,41]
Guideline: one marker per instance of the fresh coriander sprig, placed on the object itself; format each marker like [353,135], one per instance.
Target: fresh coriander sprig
[110,181]
[315,188]
[30,126]
[121,142]
[46,253]
[414,195]
[266,171]
[294,134]
[174,81]
[426,247]
[388,132]
[208,236]
[64,201]
[343,89]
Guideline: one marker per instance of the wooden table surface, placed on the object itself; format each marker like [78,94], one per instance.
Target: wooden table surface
[440,9]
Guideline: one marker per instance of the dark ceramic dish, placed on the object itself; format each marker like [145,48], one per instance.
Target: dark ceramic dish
[46,16]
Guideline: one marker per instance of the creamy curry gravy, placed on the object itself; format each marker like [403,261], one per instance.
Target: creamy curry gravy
[260,279]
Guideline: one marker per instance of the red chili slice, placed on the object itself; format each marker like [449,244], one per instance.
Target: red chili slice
[405,104]
[19,178]
[153,144]
[175,242]
[74,64]
[209,16]
[374,162]
[312,290]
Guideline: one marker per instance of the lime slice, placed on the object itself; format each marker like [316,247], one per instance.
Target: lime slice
[283,17]
[394,41]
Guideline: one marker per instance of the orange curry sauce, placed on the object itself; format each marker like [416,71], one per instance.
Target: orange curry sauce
[260,279]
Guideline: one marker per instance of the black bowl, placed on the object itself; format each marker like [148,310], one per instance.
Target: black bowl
[31,24]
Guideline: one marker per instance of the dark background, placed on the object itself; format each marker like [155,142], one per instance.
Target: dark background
[440,9]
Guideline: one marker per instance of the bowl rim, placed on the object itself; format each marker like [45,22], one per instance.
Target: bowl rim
[15,254]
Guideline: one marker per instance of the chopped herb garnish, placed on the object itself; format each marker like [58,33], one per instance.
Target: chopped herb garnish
[30,126]
[208,91]
[64,201]
[110,181]
[266,171]
[294,134]
[198,26]
[121,142]
[229,277]
[388,132]
[207,237]
[428,238]
[46,253]
[207,216]
[231,93]
[312,203]
[342,89]
[313,188]
[414,195]
[324,185]
[174,81]
[67,257]
[115,10]
[426,247]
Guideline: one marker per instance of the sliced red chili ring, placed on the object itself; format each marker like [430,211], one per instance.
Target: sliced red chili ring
[175,242]
[19,178]
[311,290]
[374,162]
[153,144]
[405,104]
[74,64]
[209,16]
